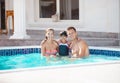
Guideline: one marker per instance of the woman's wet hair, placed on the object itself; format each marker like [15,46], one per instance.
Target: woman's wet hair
[49,29]
[64,33]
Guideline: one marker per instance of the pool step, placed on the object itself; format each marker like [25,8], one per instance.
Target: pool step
[92,38]
[30,42]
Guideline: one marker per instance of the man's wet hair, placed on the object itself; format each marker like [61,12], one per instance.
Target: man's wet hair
[69,28]
[64,33]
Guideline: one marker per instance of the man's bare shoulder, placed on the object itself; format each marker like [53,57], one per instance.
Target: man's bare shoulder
[82,42]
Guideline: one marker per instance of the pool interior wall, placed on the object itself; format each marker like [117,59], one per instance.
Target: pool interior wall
[11,51]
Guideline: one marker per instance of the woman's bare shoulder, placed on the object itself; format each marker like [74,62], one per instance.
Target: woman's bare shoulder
[56,42]
[43,42]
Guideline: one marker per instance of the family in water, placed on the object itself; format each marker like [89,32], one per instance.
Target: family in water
[74,47]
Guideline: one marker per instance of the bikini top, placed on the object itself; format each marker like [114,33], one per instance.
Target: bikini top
[51,52]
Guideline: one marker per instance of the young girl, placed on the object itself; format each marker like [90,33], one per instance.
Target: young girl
[49,46]
[63,44]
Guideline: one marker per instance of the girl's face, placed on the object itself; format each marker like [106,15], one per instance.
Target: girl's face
[63,39]
[50,34]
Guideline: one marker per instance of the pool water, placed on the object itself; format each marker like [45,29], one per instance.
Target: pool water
[36,60]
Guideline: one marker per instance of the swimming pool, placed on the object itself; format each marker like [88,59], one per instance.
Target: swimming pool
[102,62]
[16,58]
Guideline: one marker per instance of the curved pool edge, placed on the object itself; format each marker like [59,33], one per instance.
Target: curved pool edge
[81,74]
[61,66]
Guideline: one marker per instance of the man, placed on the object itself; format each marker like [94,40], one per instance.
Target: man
[79,47]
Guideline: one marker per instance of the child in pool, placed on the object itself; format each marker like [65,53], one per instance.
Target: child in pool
[63,44]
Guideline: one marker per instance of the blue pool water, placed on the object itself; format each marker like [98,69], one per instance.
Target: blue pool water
[36,60]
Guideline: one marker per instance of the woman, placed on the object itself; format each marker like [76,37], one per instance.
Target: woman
[49,46]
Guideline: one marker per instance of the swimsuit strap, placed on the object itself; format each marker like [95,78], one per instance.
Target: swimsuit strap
[63,44]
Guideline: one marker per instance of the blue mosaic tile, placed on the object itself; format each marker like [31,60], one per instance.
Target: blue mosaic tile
[105,52]
[11,52]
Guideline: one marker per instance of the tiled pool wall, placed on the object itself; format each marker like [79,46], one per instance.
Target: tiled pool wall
[11,52]
[104,52]
[18,51]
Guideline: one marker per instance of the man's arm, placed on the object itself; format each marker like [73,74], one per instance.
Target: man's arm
[83,49]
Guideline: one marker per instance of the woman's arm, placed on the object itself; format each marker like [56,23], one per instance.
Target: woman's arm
[43,47]
[57,45]
[43,50]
